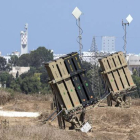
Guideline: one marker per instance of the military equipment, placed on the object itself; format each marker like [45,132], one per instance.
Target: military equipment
[70,86]
[72,90]
[117,76]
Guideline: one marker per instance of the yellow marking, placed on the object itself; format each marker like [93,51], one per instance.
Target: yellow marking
[71,68]
[79,65]
[67,57]
[74,54]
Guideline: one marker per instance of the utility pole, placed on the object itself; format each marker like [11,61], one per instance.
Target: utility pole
[129,20]
[124,25]
[77,13]
[80,39]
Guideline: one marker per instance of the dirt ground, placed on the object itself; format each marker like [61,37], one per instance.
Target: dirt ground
[108,123]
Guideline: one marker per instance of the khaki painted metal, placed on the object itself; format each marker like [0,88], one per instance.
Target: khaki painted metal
[126,75]
[72,93]
[116,72]
[122,58]
[126,70]
[108,73]
[53,72]
[62,68]
[68,82]
[124,80]
[130,80]
[105,65]
[57,94]
[120,70]
[58,84]
[64,95]
[112,82]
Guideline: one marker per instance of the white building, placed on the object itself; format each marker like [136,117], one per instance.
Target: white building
[7,57]
[16,53]
[87,56]
[20,70]
[133,62]
[24,40]
[108,44]
[56,56]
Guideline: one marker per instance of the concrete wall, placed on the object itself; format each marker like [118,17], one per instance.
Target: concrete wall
[21,70]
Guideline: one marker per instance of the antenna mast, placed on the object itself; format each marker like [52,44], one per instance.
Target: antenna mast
[80,39]
[129,20]
[77,13]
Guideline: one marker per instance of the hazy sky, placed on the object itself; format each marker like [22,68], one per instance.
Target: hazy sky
[52,25]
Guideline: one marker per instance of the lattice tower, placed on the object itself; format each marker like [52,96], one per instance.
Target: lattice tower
[95,78]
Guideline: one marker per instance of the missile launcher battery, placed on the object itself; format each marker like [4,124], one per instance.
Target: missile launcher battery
[69,82]
[83,77]
[72,90]
[116,74]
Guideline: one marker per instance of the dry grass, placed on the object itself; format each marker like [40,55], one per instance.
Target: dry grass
[115,116]
[39,132]
[136,102]
[4,97]
[23,102]
[34,97]
[28,106]
[109,123]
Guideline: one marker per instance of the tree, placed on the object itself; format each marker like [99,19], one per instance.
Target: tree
[35,80]
[136,80]
[2,64]
[36,58]
[40,56]
[30,73]
[7,78]
[16,84]
[135,72]
[24,60]
[14,60]
[17,74]
[30,85]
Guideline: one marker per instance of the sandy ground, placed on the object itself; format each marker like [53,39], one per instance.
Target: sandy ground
[108,123]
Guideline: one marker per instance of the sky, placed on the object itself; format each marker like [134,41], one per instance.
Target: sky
[51,24]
